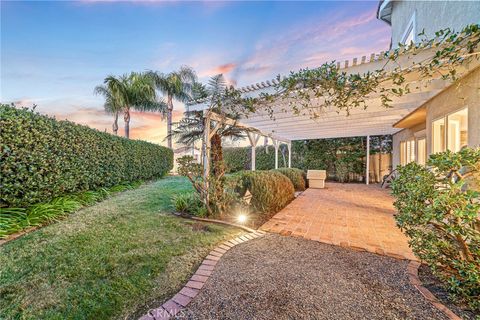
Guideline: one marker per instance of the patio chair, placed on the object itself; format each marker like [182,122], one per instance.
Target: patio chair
[316,178]
[388,178]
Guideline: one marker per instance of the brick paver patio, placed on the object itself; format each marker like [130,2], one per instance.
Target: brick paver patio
[350,215]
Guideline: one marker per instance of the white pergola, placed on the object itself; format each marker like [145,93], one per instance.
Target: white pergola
[288,126]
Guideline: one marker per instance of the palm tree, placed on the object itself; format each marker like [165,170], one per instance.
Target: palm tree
[111,104]
[174,85]
[131,91]
[191,127]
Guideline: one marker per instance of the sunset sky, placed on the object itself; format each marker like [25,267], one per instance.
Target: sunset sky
[53,54]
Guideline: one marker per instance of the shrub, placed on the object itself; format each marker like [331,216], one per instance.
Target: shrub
[42,158]
[271,191]
[439,210]
[189,203]
[297,176]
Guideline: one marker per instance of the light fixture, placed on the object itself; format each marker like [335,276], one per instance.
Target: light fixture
[242,218]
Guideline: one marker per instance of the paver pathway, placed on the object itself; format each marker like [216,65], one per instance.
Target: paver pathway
[351,215]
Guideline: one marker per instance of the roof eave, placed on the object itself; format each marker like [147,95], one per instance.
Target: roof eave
[384,11]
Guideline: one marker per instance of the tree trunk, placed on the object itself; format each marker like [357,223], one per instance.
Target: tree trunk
[217,155]
[126,118]
[169,120]
[115,124]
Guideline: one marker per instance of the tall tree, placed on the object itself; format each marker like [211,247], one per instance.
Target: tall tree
[131,91]
[191,127]
[176,85]
[111,104]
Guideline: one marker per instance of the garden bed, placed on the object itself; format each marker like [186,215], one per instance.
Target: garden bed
[436,287]
[113,260]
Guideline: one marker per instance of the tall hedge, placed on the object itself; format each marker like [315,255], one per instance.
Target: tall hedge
[239,158]
[42,158]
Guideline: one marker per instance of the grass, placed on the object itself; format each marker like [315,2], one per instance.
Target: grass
[14,220]
[113,260]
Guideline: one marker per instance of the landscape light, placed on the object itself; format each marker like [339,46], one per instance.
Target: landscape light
[242,218]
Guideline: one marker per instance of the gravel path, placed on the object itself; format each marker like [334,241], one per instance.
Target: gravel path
[277,277]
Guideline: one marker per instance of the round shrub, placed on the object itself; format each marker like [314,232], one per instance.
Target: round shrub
[297,176]
[271,191]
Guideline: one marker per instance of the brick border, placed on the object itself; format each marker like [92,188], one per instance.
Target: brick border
[231,224]
[195,284]
[412,271]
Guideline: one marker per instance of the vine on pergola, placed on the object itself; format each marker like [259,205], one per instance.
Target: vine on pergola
[336,89]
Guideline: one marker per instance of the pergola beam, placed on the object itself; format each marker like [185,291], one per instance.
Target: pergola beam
[223,119]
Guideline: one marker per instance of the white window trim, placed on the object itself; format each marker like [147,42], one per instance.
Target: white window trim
[411,26]
[445,119]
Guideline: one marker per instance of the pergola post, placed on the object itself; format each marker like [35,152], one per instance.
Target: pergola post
[253,137]
[367,169]
[206,153]
[289,146]
[276,144]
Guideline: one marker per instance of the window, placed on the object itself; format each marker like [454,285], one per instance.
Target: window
[409,35]
[411,150]
[407,151]
[421,151]
[438,135]
[403,154]
[457,133]
[450,132]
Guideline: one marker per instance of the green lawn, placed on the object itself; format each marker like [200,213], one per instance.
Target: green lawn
[113,260]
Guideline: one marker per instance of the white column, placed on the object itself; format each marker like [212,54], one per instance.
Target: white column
[367,169]
[289,145]
[276,144]
[253,137]
[206,153]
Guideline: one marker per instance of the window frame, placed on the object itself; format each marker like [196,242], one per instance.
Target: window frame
[445,134]
[411,28]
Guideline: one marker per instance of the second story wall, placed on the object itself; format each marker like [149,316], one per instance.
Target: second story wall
[411,17]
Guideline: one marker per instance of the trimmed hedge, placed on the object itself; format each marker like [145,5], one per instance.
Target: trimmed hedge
[42,158]
[271,191]
[239,158]
[297,176]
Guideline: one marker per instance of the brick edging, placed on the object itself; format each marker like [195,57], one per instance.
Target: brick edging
[231,224]
[412,271]
[193,286]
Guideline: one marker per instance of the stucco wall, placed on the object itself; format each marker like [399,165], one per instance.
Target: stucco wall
[463,93]
[432,16]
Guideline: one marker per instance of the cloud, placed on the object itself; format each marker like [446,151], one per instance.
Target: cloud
[311,44]
[223,69]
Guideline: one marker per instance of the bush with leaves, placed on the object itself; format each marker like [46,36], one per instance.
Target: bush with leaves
[297,177]
[271,191]
[439,210]
[42,158]
[189,203]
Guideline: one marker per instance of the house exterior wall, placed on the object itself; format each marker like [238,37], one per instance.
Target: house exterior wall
[432,16]
[463,93]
